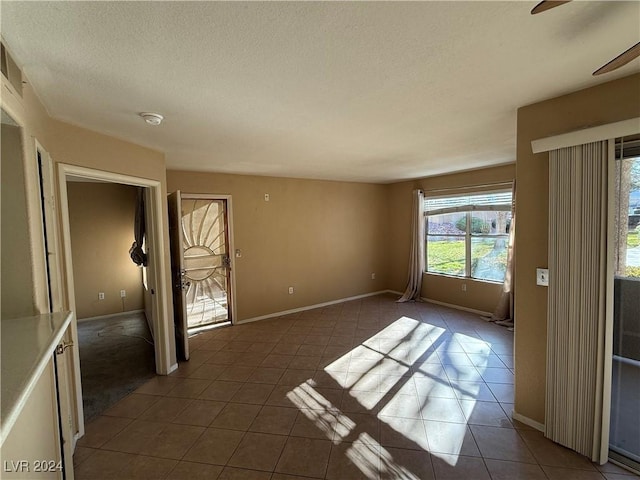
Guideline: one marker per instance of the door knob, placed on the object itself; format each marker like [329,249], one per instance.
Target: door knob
[62,347]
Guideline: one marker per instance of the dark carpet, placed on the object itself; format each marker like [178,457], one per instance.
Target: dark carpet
[116,357]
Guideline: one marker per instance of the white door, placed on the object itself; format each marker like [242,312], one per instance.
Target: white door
[149,271]
[177,275]
[69,389]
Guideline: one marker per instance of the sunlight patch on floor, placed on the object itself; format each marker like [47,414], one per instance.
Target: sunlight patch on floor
[329,419]
[364,453]
[204,310]
[402,373]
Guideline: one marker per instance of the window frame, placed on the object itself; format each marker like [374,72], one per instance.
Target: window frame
[468,210]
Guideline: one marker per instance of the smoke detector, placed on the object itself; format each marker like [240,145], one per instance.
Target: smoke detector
[154,119]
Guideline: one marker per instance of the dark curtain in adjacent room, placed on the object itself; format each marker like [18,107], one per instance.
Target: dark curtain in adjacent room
[137,254]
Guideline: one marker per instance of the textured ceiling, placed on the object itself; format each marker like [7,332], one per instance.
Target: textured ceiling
[364,91]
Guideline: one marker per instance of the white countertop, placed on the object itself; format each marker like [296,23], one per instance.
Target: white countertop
[27,346]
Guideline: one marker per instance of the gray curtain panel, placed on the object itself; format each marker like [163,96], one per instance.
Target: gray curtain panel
[503,314]
[577,296]
[137,254]
[416,255]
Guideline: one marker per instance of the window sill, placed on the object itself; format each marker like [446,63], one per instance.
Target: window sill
[492,282]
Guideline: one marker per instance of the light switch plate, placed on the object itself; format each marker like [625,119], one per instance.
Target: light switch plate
[542,277]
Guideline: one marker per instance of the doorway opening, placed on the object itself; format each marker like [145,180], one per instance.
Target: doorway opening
[201,237]
[112,303]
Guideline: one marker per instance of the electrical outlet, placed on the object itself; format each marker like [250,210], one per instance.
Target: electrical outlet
[542,277]
[290,290]
[373,276]
[101,296]
[464,287]
[238,253]
[123,293]
[266,197]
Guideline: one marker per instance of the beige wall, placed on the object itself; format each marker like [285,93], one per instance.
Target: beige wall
[101,218]
[323,238]
[606,103]
[479,295]
[74,145]
[17,279]
[317,236]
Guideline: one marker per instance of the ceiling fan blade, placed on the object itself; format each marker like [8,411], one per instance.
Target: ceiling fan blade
[620,60]
[547,5]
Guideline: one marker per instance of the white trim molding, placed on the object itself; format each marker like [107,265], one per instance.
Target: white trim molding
[456,307]
[356,297]
[527,421]
[110,315]
[163,324]
[587,135]
[311,307]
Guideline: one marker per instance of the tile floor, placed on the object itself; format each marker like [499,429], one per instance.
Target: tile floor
[366,389]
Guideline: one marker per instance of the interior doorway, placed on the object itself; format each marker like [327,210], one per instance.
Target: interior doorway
[157,277]
[114,334]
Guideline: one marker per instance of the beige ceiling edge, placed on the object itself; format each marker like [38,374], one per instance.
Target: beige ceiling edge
[587,135]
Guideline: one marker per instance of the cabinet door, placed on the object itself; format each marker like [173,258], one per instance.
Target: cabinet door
[32,448]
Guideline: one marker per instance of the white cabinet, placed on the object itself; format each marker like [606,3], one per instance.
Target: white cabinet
[30,429]
[32,447]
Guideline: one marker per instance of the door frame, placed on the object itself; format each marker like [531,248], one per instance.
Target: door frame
[64,362]
[162,300]
[612,214]
[54,276]
[231,249]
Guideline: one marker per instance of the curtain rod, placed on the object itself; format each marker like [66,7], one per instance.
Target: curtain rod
[627,143]
[469,186]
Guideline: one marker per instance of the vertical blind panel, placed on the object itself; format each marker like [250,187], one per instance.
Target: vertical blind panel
[576,310]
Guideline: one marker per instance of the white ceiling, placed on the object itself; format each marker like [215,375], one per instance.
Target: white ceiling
[364,91]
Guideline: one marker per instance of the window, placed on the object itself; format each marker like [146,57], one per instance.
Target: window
[468,236]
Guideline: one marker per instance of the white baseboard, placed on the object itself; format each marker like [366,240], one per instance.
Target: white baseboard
[356,297]
[119,314]
[172,368]
[457,307]
[311,307]
[527,421]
